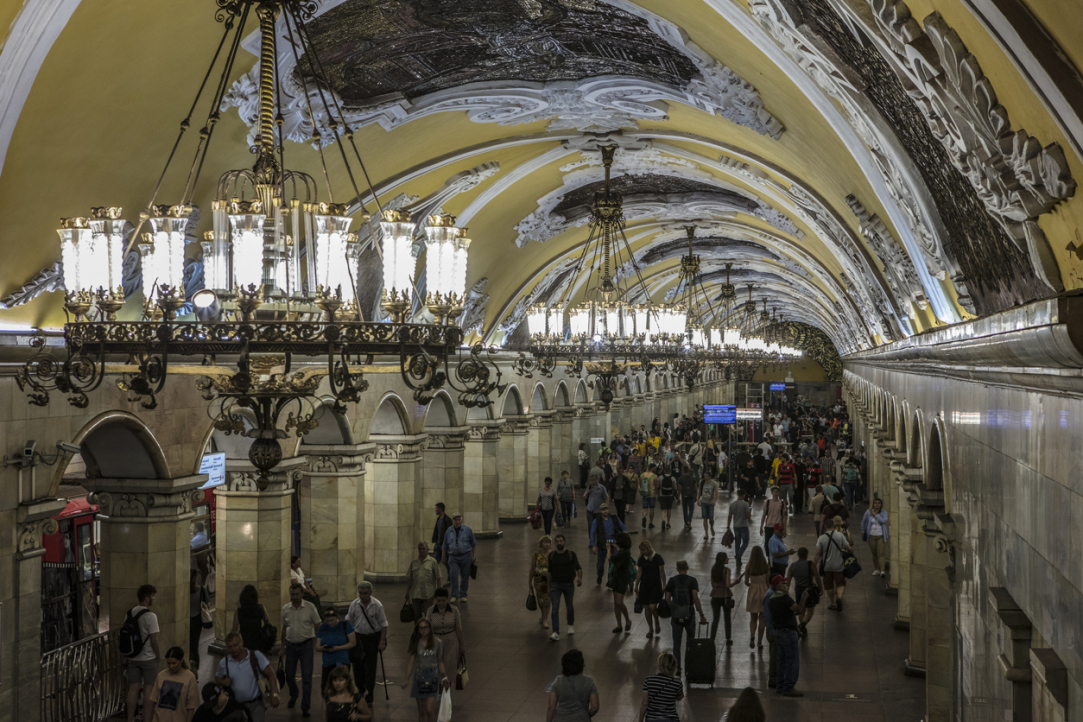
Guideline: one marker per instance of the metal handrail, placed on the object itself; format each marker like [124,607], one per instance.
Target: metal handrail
[83,681]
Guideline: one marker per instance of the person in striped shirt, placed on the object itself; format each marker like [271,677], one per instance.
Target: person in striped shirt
[662,692]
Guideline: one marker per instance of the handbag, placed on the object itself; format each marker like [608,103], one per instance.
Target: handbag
[663,609]
[558,519]
[638,606]
[462,676]
[280,673]
[473,570]
[531,602]
[727,538]
[850,567]
[206,616]
[268,634]
[406,614]
[535,519]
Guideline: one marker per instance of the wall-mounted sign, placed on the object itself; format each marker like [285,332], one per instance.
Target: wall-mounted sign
[778,386]
[749,414]
[214,466]
[719,414]
[597,441]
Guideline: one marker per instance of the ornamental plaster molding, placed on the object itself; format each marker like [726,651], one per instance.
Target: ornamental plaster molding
[473,318]
[30,535]
[590,104]
[899,271]
[145,504]
[47,280]
[1013,175]
[482,434]
[444,442]
[398,452]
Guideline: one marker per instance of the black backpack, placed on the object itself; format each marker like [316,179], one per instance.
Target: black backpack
[130,640]
[666,487]
[682,601]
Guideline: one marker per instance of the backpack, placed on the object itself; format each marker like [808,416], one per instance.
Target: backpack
[130,640]
[666,487]
[682,601]
[851,473]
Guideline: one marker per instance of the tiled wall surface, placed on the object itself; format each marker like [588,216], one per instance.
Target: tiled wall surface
[1013,485]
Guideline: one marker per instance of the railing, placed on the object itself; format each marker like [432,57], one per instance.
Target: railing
[83,681]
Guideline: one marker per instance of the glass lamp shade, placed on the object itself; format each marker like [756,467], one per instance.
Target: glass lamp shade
[246,243]
[75,247]
[440,265]
[334,271]
[580,320]
[640,316]
[536,319]
[398,241]
[698,338]
[612,321]
[168,224]
[458,274]
[107,230]
[716,337]
[680,320]
[732,337]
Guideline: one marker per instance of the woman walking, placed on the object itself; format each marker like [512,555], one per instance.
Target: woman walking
[334,640]
[584,465]
[874,531]
[721,596]
[621,563]
[667,489]
[538,581]
[342,700]
[447,625]
[747,708]
[756,574]
[425,671]
[566,494]
[650,584]
[662,692]
[250,619]
[547,502]
[174,697]
[573,696]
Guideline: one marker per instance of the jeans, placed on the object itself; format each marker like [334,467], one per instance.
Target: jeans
[566,511]
[678,630]
[852,491]
[740,542]
[302,653]
[195,630]
[547,518]
[568,590]
[768,532]
[619,505]
[591,516]
[716,607]
[789,661]
[688,506]
[459,567]
[602,561]
[772,657]
[787,495]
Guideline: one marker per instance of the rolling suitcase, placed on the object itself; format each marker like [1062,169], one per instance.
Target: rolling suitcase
[699,659]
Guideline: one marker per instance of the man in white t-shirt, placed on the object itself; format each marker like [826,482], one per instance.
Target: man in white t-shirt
[143,666]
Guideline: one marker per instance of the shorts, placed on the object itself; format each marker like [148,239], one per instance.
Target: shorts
[834,579]
[707,510]
[648,502]
[143,672]
[666,502]
[811,602]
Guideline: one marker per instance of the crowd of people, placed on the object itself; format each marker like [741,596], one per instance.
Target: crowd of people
[681,462]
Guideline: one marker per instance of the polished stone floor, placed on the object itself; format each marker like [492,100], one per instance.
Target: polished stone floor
[851,663]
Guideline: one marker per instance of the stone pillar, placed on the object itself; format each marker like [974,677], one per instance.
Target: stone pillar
[899,552]
[31,521]
[1016,662]
[442,475]
[392,508]
[539,460]
[252,543]
[940,618]
[332,501]
[581,427]
[563,451]
[599,424]
[891,457]
[915,662]
[145,539]
[481,479]
[511,467]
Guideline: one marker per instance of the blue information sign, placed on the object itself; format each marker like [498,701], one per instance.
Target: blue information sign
[778,386]
[719,414]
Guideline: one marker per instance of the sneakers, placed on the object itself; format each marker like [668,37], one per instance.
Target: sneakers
[453,600]
[650,526]
[571,630]
[554,637]
[462,598]
[292,702]
[876,572]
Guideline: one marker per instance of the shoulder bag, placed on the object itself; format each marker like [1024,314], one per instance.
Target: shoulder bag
[406,614]
[850,567]
[268,633]
[462,677]
[813,590]
[262,682]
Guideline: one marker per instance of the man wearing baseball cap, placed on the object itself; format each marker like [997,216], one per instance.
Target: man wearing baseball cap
[784,614]
[603,535]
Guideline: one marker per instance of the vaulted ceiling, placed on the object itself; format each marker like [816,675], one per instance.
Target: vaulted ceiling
[872,167]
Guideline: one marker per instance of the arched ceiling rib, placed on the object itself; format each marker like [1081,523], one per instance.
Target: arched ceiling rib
[731,116]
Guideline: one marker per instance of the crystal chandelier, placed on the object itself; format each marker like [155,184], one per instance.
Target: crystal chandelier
[281,275]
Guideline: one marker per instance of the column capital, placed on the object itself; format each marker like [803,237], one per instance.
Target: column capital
[541,420]
[942,530]
[446,438]
[35,520]
[146,499]
[482,431]
[563,414]
[337,459]
[516,424]
[395,449]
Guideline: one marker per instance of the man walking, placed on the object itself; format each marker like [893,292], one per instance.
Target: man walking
[784,614]
[594,497]
[443,523]
[366,616]
[240,670]
[648,489]
[682,593]
[300,620]
[687,484]
[142,663]
[708,496]
[786,478]
[603,533]
[778,552]
[740,517]
[460,551]
[831,547]
[565,575]
[422,579]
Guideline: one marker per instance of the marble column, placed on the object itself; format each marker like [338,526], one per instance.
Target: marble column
[481,479]
[561,447]
[899,549]
[891,456]
[253,540]
[443,466]
[145,539]
[332,501]
[30,521]
[1015,663]
[940,619]
[599,424]
[915,662]
[511,467]
[581,428]
[392,508]
[539,460]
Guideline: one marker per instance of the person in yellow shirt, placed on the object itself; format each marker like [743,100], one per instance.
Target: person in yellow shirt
[656,441]
[775,463]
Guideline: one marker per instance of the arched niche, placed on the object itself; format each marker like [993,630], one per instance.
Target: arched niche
[581,392]
[479,413]
[334,428]
[538,402]
[513,402]
[440,412]
[639,384]
[901,414]
[390,418]
[934,458]
[915,449]
[560,396]
[597,395]
[117,445]
[889,417]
